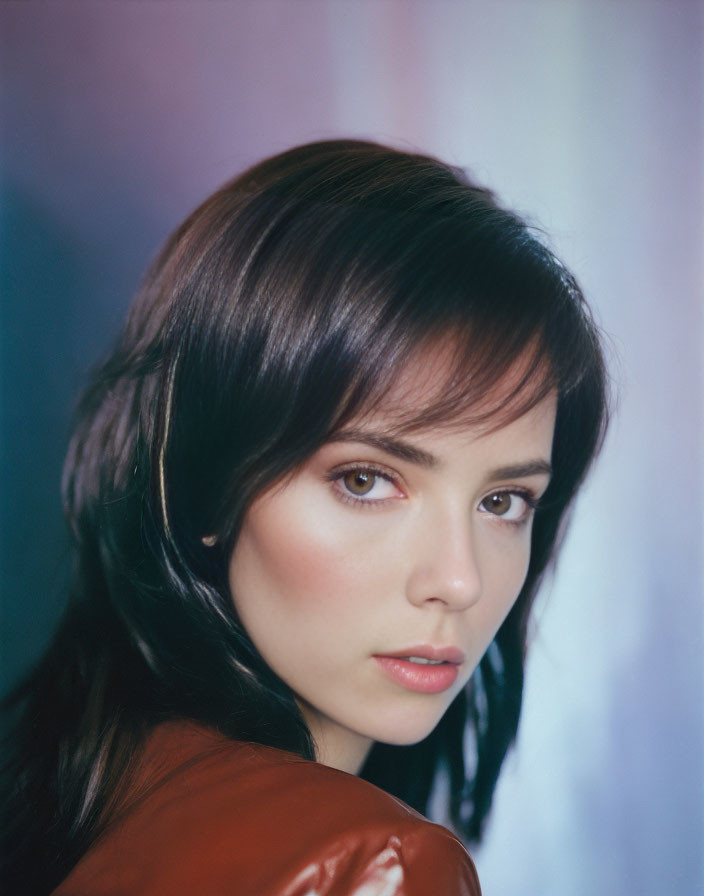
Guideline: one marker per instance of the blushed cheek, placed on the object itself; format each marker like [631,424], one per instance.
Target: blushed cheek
[505,575]
[295,558]
[519,568]
[517,573]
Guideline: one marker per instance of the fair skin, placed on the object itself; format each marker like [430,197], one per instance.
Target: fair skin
[373,579]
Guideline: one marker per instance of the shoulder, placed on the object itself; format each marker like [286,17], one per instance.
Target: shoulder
[208,815]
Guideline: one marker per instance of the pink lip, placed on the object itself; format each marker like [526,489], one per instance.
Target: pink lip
[431,679]
[428,652]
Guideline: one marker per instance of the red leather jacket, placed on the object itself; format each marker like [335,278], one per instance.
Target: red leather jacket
[209,817]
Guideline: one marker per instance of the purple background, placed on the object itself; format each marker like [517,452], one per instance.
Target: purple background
[118,117]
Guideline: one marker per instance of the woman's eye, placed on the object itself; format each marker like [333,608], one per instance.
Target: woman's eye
[365,484]
[509,506]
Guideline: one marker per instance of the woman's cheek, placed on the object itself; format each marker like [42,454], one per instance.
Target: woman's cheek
[299,548]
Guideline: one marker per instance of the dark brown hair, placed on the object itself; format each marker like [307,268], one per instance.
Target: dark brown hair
[284,305]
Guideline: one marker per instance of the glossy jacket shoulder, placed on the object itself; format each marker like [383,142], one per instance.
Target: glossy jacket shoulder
[211,817]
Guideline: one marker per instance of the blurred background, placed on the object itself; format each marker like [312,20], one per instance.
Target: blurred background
[585,115]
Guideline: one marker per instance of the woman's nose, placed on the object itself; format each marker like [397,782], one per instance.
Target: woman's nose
[445,566]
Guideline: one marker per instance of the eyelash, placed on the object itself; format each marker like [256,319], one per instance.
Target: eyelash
[336,477]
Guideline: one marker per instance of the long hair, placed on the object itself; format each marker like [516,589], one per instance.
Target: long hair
[283,306]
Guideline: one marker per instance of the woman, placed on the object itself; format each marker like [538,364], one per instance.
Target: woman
[312,493]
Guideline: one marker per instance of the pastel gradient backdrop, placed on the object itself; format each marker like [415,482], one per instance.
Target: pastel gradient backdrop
[587,115]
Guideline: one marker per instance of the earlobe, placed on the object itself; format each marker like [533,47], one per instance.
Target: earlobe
[209,540]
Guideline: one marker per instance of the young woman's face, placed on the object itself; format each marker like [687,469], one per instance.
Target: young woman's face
[374,578]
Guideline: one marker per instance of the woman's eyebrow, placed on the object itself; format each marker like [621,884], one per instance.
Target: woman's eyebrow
[518,471]
[396,447]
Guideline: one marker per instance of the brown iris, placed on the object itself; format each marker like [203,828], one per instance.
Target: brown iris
[359,482]
[499,504]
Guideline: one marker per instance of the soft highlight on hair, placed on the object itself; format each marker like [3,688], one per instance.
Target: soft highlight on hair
[284,307]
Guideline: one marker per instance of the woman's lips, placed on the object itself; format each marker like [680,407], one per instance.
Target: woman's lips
[437,671]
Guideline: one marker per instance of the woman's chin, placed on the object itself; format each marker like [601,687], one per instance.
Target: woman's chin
[406,732]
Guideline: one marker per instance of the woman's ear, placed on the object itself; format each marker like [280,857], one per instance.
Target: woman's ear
[209,540]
